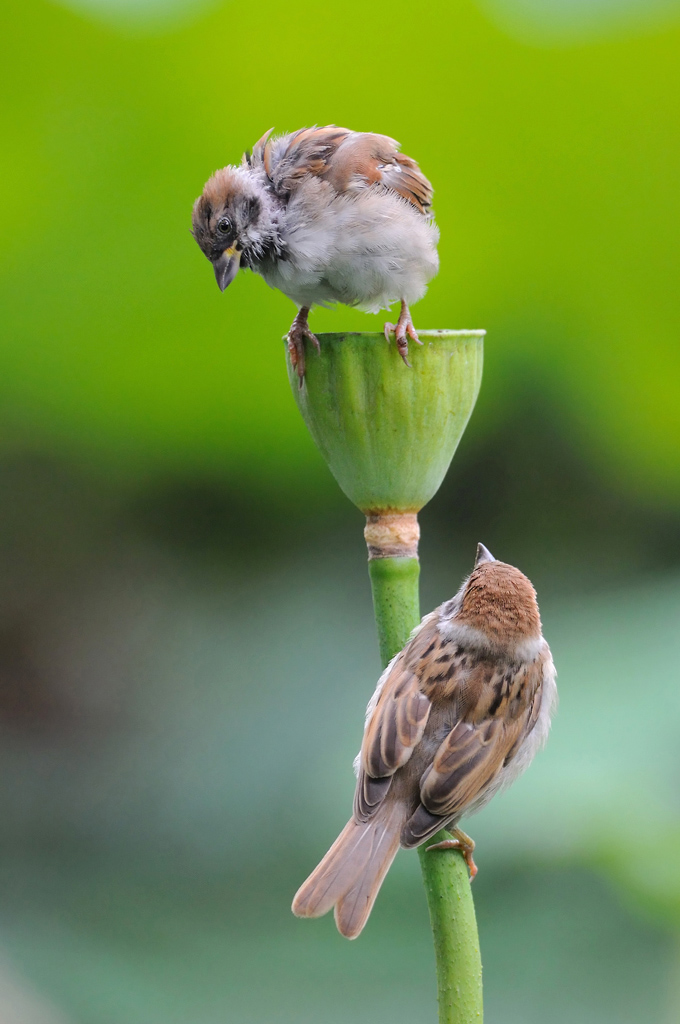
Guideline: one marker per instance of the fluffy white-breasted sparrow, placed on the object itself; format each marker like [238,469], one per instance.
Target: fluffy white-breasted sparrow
[326,215]
[456,716]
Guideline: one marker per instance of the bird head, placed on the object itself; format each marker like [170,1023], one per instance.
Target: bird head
[500,601]
[230,222]
[496,607]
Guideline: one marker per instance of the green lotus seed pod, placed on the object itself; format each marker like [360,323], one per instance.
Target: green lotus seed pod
[388,432]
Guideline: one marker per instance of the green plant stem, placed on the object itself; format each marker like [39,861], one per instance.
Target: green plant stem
[396,604]
[454,927]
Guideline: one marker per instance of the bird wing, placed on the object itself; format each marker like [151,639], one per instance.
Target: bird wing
[395,724]
[368,159]
[347,160]
[499,708]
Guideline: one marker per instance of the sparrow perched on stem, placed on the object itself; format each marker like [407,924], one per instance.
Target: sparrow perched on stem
[456,716]
[326,215]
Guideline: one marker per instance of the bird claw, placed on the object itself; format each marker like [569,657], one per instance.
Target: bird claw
[463,843]
[297,334]
[411,331]
[402,344]
[402,330]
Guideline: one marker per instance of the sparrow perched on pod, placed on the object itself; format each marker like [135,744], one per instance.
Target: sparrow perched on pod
[325,215]
[456,716]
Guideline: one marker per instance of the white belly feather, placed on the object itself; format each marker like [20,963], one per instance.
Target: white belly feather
[367,248]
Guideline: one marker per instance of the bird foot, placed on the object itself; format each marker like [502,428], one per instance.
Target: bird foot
[463,843]
[402,330]
[299,331]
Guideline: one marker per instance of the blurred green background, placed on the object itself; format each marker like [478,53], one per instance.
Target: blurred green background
[186,635]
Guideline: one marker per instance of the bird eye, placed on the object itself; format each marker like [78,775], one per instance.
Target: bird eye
[224,225]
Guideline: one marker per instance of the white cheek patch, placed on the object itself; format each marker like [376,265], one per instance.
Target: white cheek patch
[529,650]
[465,636]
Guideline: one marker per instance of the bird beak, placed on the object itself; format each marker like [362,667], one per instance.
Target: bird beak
[483,555]
[226,267]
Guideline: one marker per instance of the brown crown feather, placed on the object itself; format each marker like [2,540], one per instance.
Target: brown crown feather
[500,601]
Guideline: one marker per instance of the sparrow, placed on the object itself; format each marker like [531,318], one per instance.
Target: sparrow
[325,215]
[456,716]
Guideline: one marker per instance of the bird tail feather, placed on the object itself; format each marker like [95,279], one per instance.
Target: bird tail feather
[350,875]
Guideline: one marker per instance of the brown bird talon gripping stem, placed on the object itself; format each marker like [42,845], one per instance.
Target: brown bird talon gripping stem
[461,842]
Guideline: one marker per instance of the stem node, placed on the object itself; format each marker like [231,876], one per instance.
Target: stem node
[392,535]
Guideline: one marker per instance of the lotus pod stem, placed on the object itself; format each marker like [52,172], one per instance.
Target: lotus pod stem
[388,434]
[452,913]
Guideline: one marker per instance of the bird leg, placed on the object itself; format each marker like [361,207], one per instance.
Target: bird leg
[299,330]
[462,842]
[402,328]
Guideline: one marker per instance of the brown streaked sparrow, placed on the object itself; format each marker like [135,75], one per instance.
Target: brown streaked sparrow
[326,215]
[456,716]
